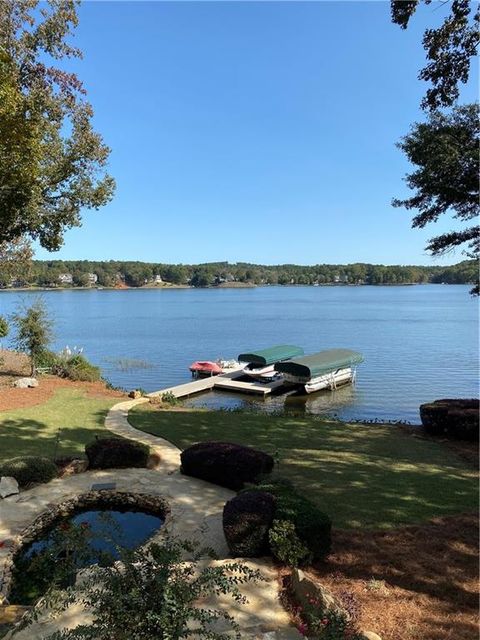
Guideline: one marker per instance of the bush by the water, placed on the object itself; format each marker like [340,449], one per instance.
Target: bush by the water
[451,418]
[312,526]
[76,368]
[116,453]
[226,464]
[246,521]
[29,470]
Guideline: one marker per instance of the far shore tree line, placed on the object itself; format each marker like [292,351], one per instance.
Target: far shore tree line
[83,273]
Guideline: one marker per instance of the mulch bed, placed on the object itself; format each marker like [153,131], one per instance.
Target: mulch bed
[412,583]
[15,365]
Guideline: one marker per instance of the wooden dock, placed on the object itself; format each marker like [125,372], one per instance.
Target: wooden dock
[225,381]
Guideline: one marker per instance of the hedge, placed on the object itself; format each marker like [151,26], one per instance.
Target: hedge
[246,521]
[312,525]
[116,453]
[451,418]
[29,470]
[226,464]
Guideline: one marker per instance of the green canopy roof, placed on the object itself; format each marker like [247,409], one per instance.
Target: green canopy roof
[272,355]
[320,363]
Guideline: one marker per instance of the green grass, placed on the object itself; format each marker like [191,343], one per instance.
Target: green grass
[33,431]
[374,476]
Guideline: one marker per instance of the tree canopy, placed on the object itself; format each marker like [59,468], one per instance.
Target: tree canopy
[449,48]
[52,162]
[444,151]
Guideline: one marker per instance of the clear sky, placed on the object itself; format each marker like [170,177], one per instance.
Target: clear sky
[259,132]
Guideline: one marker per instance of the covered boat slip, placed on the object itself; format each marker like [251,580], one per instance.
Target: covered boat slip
[319,364]
[266,357]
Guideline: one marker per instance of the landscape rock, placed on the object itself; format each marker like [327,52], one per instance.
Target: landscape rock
[305,588]
[135,394]
[25,383]
[8,487]
[370,635]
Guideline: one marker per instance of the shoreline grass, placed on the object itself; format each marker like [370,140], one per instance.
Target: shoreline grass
[372,476]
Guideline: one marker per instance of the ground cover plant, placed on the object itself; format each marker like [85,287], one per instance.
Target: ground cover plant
[61,426]
[375,476]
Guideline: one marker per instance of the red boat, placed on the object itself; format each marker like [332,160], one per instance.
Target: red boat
[205,368]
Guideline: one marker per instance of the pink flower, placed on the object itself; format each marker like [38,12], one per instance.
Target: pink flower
[302,628]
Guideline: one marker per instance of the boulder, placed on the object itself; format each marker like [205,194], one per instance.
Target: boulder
[8,487]
[369,635]
[306,589]
[25,383]
[135,394]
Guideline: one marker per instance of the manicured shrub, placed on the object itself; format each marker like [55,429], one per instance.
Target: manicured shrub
[451,418]
[224,463]
[312,526]
[286,545]
[116,453]
[29,470]
[77,368]
[246,521]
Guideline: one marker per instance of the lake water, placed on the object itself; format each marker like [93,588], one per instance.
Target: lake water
[419,342]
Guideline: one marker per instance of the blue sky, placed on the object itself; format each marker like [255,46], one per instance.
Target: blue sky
[259,132]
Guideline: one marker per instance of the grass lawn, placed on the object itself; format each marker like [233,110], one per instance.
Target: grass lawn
[374,476]
[33,430]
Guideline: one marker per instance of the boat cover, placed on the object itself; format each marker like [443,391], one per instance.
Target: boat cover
[320,363]
[271,355]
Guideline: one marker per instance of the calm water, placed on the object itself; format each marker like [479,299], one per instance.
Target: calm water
[419,342]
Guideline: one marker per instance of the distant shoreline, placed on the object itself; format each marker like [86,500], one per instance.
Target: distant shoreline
[233,285]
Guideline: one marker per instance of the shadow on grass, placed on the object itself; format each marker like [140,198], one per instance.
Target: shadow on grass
[22,437]
[362,475]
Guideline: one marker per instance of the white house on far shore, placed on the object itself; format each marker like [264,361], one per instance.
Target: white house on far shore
[65,278]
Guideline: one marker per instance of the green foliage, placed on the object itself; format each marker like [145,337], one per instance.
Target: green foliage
[52,162]
[29,470]
[312,526]
[76,367]
[54,566]
[450,49]
[34,330]
[286,545]
[45,273]
[153,594]
[170,398]
[246,521]
[444,151]
[47,359]
[4,328]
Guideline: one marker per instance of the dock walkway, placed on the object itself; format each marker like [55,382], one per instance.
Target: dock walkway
[227,381]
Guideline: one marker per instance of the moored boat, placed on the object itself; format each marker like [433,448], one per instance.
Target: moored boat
[261,364]
[205,368]
[323,370]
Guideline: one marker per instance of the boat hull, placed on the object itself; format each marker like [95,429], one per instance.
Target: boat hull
[329,380]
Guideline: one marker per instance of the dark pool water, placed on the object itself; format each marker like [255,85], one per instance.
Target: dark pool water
[91,537]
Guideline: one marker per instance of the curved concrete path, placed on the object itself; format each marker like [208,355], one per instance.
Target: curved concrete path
[196,513]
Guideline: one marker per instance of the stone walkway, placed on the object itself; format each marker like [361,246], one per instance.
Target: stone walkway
[196,513]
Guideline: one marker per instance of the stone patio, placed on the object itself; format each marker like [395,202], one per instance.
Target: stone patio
[195,513]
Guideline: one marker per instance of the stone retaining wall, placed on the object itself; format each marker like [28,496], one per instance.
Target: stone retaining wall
[113,500]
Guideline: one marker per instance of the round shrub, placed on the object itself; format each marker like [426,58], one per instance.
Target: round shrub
[451,418]
[246,521]
[29,470]
[116,453]
[312,526]
[224,463]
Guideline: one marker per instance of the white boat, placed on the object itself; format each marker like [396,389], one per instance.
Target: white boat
[261,364]
[324,370]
